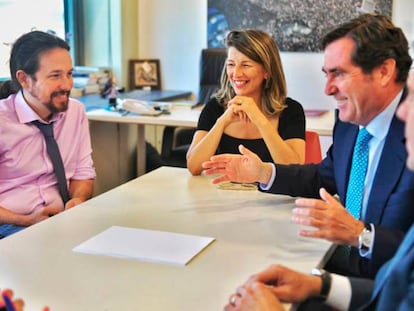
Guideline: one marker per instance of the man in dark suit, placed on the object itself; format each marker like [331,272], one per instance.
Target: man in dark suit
[393,288]
[366,64]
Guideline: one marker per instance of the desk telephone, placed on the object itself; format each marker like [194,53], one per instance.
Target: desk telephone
[145,108]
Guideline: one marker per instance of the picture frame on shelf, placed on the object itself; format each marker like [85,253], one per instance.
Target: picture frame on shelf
[144,74]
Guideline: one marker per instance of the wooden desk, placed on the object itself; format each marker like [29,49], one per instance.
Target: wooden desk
[118,152]
[322,124]
[95,101]
[180,116]
[252,231]
[185,117]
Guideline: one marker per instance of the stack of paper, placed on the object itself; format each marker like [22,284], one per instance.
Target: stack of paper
[147,245]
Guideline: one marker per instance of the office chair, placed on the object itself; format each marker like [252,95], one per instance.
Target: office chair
[313,153]
[177,140]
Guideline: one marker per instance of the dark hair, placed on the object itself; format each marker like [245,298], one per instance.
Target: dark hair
[376,40]
[260,47]
[25,55]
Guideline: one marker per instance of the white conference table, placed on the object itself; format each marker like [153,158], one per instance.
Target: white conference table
[183,116]
[252,231]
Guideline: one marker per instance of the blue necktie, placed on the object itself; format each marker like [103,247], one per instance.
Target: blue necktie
[54,155]
[359,167]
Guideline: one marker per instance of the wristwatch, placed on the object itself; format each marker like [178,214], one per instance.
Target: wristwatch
[326,282]
[365,238]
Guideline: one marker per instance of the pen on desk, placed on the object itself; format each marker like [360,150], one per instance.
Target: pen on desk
[8,302]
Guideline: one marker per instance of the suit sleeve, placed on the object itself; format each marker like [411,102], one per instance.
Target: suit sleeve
[386,243]
[305,180]
[361,292]
[396,221]
[398,291]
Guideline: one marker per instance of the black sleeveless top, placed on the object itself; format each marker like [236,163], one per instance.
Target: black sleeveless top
[291,125]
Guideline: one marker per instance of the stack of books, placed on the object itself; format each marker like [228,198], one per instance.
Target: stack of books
[89,80]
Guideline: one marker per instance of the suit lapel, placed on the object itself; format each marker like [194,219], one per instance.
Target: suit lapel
[346,141]
[390,168]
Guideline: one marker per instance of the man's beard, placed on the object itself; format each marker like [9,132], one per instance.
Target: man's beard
[61,106]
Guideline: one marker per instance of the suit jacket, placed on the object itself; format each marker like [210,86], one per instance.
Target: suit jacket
[394,284]
[390,203]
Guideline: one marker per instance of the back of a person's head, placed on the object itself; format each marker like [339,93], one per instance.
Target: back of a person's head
[6,88]
[376,39]
[25,55]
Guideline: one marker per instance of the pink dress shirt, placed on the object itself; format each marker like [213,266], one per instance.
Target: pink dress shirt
[27,181]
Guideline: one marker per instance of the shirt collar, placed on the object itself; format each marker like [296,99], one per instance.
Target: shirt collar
[25,114]
[380,125]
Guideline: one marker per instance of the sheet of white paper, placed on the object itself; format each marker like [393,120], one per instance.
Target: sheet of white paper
[147,245]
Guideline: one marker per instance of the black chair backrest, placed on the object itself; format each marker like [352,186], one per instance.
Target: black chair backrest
[211,65]
[176,141]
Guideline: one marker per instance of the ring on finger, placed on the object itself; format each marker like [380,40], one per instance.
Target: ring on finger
[233,299]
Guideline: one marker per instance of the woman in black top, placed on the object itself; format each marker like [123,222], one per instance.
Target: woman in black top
[251,108]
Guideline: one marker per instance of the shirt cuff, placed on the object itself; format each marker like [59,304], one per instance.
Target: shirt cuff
[266,187]
[339,296]
[367,253]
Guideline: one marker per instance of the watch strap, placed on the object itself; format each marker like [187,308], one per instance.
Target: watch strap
[326,279]
[326,285]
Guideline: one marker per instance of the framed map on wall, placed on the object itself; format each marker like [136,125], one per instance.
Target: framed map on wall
[296,25]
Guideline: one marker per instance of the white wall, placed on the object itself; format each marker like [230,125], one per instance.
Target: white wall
[97,29]
[403,16]
[175,32]
[111,35]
